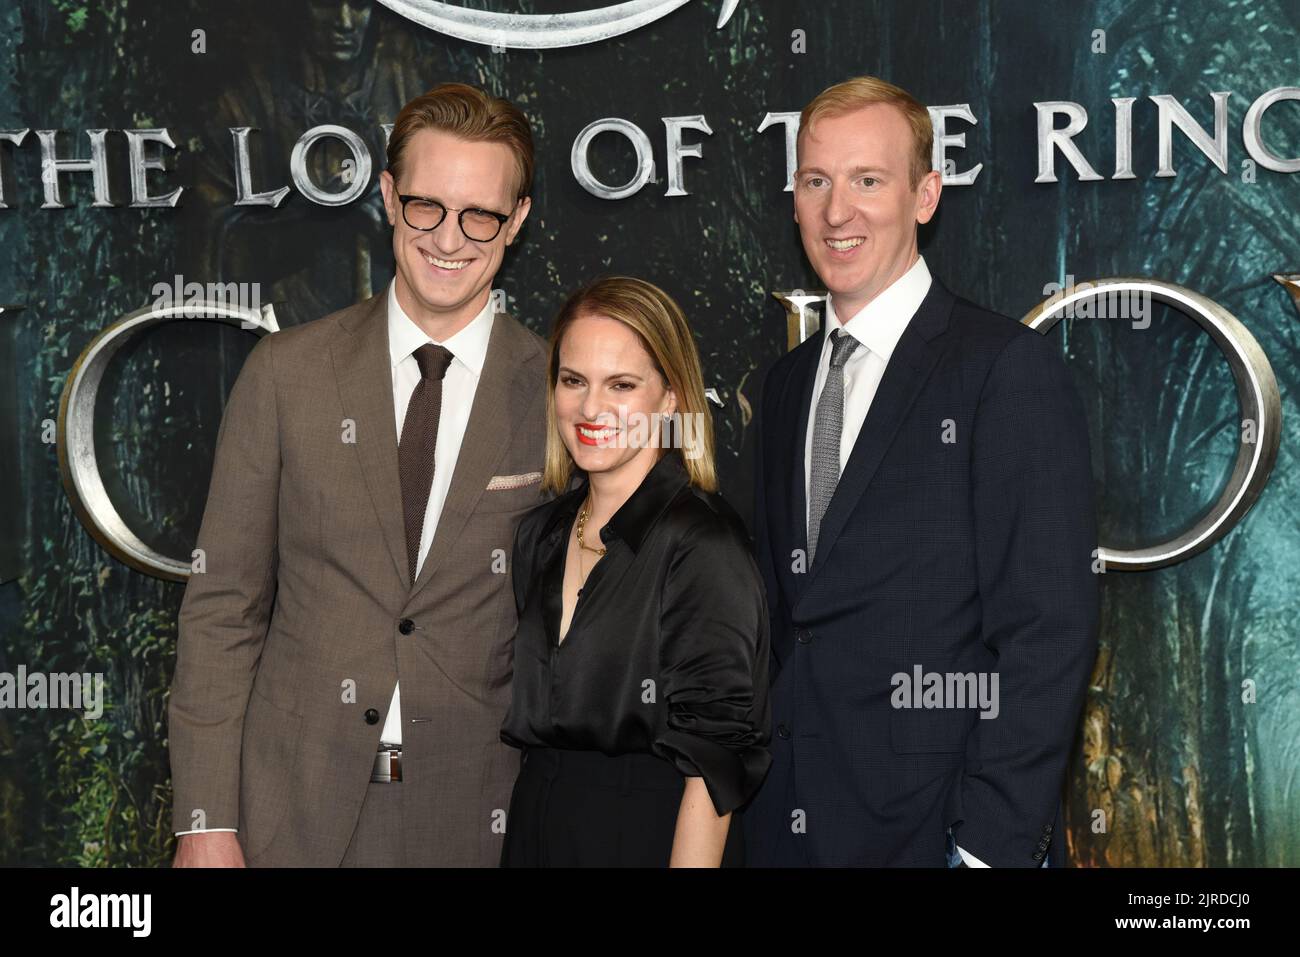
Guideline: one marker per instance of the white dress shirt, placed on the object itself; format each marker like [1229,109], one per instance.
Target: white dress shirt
[877,326]
[469,350]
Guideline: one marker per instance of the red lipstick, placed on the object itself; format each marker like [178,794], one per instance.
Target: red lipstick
[592,427]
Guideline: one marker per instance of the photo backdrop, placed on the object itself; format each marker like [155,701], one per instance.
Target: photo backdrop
[1189,749]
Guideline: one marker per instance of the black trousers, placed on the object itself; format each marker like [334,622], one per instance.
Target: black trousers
[588,809]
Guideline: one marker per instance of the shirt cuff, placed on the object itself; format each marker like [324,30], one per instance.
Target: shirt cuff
[731,776]
[209,830]
[970,859]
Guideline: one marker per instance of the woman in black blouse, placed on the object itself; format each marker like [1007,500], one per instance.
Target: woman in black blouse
[640,661]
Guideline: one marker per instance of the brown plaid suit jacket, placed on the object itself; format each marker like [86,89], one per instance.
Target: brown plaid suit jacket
[289,639]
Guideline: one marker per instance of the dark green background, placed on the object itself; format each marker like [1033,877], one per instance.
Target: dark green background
[1184,771]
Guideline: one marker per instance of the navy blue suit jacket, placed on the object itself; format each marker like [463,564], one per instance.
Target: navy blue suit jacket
[960,539]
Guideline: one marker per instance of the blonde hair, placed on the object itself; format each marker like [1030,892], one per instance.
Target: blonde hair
[471,114]
[661,326]
[865,90]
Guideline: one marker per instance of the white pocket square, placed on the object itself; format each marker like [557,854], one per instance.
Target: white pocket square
[500,482]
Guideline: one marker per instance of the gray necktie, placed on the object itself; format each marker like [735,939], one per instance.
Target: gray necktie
[826,437]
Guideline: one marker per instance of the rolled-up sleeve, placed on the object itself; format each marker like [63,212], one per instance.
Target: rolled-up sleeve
[713,665]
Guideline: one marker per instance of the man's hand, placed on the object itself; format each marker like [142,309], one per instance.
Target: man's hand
[216,849]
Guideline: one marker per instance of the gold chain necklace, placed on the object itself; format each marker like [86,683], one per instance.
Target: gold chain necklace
[582,524]
[581,545]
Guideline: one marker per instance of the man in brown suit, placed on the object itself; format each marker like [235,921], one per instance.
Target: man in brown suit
[344,660]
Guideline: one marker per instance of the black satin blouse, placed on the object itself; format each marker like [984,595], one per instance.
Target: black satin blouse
[667,648]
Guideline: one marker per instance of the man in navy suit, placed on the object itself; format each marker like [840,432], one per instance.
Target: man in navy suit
[925,525]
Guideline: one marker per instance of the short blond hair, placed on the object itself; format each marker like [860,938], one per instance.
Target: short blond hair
[865,90]
[661,326]
[470,113]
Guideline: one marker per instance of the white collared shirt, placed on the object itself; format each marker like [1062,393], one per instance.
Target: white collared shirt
[469,350]
[878,326]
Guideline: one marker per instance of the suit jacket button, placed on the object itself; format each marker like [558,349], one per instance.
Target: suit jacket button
[372,716]
[1047,829]
[406,626]
[782,731]
[803,636]
[1037,855]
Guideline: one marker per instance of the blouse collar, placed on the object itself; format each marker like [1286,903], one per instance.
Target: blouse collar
[635,517]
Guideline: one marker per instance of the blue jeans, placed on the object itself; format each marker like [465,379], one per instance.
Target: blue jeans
[954,856]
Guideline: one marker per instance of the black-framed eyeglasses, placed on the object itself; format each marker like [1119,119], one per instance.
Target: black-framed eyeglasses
[425,214]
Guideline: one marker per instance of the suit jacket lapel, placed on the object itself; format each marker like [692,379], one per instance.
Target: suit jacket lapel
[909,367]
[365,379]
[499,401]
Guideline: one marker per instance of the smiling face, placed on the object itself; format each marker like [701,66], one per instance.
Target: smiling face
[607,385]
[444,278]
[856,209]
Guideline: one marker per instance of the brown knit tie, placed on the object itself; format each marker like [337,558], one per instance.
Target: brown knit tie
[416,447]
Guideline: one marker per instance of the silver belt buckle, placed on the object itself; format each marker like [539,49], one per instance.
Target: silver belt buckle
[388,766]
